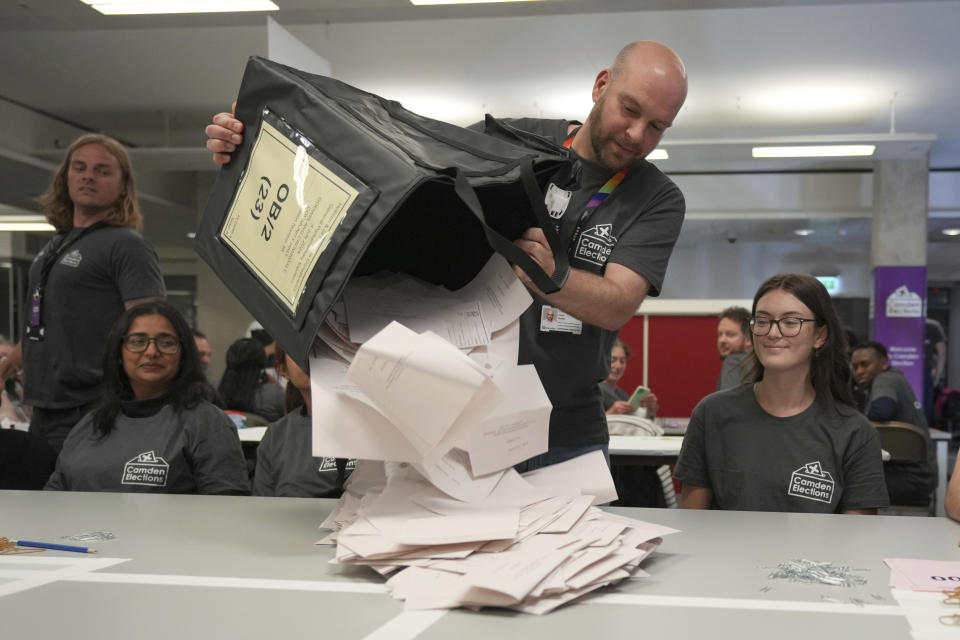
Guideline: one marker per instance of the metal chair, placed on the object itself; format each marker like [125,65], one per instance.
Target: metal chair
[906,443]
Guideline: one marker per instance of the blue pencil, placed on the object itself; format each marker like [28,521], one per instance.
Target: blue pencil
[53,545]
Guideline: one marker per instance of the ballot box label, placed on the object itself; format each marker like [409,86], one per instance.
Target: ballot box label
[285,211]
[147,470]
[812,482]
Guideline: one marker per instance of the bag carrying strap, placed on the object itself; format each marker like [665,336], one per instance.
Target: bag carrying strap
[506,247]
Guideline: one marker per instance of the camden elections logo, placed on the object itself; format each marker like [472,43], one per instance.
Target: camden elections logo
[596,244]
[813,483]
[72,259]
[329,463]
[147,469]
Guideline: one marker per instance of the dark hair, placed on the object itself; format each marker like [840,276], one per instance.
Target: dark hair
[199,334]
[187,389]
[292,398]
[829,369]
[243,375]
[57,205]
[740,315]
[878,348]
[623,345]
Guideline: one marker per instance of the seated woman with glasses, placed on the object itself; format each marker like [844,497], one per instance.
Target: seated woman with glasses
[152,430]
[791,441]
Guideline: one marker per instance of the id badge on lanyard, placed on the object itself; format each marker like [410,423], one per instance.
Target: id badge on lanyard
[35,329]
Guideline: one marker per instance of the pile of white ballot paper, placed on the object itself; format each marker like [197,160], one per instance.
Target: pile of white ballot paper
[422,386]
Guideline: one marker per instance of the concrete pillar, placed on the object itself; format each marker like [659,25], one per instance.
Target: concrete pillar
[899,232]
[898,257]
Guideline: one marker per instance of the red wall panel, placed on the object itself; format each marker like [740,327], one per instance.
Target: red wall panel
[683,363]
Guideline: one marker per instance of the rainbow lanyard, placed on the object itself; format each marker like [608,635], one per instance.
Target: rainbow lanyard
[602,194]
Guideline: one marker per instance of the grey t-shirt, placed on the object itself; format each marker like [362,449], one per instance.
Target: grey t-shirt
[285,466]
[83,297]
[733,371]
[637,227]
[816,461]
[268,401]
[920,477]
[611,395]
[194,451]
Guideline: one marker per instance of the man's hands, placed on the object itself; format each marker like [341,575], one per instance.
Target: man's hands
[606,301]
[648,402]
[620,408]
[534,243]
[223,136]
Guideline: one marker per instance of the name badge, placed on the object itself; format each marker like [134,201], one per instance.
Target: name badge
[555,320]
[556,200]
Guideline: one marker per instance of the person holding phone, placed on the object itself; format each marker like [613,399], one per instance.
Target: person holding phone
[615,400]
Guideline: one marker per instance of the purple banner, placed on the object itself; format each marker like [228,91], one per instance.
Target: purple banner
[898,306]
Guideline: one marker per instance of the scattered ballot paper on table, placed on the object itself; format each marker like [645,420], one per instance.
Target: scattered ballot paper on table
[500,551]
[422,386]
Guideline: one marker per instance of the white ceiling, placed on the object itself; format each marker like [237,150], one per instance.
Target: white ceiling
[758,69]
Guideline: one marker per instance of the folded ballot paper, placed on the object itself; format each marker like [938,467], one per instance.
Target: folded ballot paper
[426,380]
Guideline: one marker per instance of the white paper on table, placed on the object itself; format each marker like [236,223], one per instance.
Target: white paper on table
[515,573]
[397,367]
[584,475]
[600,532]
[344,425]
[541,606]
[575,508]
[639,529]
[502,297]
[371,309]
[480,525]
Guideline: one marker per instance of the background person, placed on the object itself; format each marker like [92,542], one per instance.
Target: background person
[245,385]
[152,430]
[889,397]
[935,365]
[635,101]
[615,399]
[95,266]
[285,464]
[204,351]
[734,342]
[791,441]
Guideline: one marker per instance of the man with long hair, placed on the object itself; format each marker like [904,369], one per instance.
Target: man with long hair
[96,266]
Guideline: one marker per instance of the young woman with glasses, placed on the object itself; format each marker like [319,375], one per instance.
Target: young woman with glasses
[152,430]
[789,439]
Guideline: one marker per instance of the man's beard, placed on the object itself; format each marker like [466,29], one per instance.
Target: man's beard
[599,137]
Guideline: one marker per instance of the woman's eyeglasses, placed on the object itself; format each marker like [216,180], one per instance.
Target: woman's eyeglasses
[788,327]
[138,343]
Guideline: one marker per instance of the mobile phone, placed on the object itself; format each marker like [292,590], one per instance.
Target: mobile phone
[638,393]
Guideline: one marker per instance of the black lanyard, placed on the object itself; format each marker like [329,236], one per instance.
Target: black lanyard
[55,253]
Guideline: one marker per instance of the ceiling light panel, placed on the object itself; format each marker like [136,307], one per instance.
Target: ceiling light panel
[144,7]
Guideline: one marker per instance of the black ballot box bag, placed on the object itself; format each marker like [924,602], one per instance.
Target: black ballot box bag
[332,182]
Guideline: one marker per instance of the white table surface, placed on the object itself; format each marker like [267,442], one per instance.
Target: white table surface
[241,567]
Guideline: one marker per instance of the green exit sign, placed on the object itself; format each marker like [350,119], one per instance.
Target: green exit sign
[832,283]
